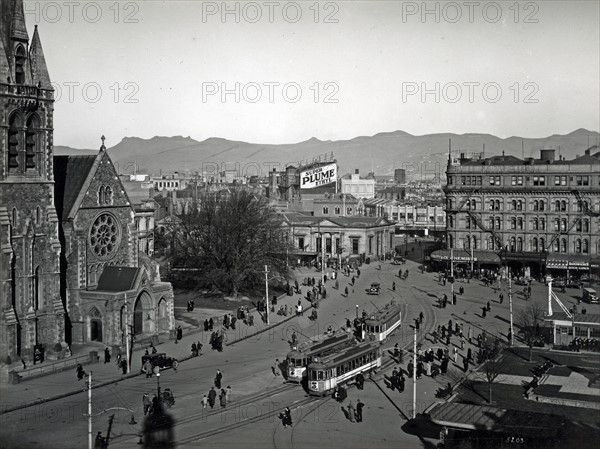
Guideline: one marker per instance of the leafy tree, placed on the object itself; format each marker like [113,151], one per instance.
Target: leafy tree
[529,321]
[229,239]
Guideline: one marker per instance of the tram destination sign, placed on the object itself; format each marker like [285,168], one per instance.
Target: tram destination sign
[318,176]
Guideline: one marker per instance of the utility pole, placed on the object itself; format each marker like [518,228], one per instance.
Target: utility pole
[267,292]
[90,445]
[452,274]
[127,336]
[414,413]
[511,307]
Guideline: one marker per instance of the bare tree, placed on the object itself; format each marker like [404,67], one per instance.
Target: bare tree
[493,362]
[229,239]
[529,321]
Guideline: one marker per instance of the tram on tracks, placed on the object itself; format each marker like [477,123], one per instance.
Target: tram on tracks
[379,325]
[299,359]
[326,373]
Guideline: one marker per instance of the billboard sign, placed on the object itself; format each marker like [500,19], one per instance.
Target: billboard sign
[318,176]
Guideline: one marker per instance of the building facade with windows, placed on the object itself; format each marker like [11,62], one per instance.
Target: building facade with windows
[536,213]
[338,237]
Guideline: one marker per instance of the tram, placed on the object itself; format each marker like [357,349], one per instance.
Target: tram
[300,358]
[381,324]
[325,373]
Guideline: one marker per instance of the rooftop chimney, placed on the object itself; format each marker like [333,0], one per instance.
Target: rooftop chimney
[547,156]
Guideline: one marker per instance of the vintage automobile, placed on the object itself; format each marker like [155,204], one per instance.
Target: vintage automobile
[399,260]
[375,288]
[161,360]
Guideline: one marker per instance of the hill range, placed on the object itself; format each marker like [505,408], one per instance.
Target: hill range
[420,155]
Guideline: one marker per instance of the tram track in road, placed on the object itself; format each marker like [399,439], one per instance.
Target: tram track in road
[241,423]
[203,414]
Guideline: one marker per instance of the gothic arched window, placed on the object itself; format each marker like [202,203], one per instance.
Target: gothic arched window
[586,246]
[20,58]
[14,128]
[108,195]
[101,195]
[31,136]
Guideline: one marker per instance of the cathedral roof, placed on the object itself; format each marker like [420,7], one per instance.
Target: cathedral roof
[117,279]
[70,174]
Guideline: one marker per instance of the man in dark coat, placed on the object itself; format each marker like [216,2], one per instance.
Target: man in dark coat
[401,383]
[212,396]
[211,324]
[410,368]
[124,366]
[394,379]
[179,334]
[359,408]
[360,381]
[218,378]
[106,356]
[206,325]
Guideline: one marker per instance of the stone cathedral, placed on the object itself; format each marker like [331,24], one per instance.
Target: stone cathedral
[70,271]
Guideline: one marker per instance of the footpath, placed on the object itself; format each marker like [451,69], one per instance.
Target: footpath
[61,384]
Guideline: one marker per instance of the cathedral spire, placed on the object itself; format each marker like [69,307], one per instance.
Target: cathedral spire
[39,71]
[102,147]
[18,29]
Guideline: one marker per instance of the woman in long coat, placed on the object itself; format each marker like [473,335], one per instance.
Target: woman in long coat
[223,398]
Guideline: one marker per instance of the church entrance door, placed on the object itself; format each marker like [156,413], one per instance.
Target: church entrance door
[138,318]
[96,330]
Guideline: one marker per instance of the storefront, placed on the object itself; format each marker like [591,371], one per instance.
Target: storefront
[464,260]
[568,266]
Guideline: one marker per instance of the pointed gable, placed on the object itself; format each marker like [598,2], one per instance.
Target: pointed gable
[78,178]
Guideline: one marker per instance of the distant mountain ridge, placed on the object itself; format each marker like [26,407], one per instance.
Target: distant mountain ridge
[424,155]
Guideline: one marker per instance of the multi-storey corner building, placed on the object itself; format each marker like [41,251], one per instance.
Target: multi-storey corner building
[537,214]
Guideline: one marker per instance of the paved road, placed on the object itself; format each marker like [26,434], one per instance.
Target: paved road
[259,394]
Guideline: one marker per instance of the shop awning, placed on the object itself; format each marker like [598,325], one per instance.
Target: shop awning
[461,255]
[568,261]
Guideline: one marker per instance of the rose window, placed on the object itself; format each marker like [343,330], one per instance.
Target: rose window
[104,235]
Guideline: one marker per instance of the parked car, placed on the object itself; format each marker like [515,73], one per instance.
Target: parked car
[399,260]
[375,288]
[161,360]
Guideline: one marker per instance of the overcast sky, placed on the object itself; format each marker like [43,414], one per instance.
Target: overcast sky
[340,70]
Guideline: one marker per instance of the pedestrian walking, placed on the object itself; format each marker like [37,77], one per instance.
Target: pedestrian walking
[359,409]
[469,354]
[466,364]
[223,398]
[455,354]
[228,393]
[124,366]
[393,286]
[489,307]
[501,298]
[148,368]
[360,381]
[401,382]
[483,311]
[212,396]
[351,412]
[218,378]
[179,334]
[346,290]
[454,299]
[106,356]
[146,403]
[275,368]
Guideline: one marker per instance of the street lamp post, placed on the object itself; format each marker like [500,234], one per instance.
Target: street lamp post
[510,304]
[267,292]
[157,372]
[414,411]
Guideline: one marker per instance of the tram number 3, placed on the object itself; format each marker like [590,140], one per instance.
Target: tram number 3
[515,440]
